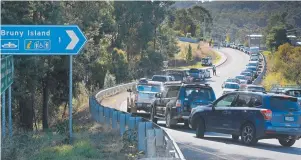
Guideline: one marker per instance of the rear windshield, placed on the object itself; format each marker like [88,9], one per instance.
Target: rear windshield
[284,103]
[247,73]
[231,86]
[194,71]
[231,80]
[199,93]
[294,93]
[259,89]
[178,77]
[159,78]
[149,88]
[240,77]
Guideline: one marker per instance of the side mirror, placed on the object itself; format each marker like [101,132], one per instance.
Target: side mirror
[158,95]
[129,90]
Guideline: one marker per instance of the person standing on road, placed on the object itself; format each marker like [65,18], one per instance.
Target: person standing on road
[214,70]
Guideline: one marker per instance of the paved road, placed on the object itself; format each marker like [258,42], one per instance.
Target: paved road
[219,146]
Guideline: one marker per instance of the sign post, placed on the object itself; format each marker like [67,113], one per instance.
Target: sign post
[42,40]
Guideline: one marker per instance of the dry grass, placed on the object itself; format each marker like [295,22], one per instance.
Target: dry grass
[199,50]
[91,141]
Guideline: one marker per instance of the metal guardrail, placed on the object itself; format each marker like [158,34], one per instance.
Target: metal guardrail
[154,141]
[260,77]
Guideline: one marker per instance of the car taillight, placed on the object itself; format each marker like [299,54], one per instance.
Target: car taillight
[178,103]
[136,97]
[267,114]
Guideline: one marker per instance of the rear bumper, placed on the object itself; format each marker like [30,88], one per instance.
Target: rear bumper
[143,106]
[280,132]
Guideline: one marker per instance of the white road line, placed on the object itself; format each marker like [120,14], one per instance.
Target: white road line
[200,150]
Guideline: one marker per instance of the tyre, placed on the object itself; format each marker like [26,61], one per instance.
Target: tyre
[248,134]
[287,142]
[235,137]
[186,124]
[200,128]
[153,119]
[170,123]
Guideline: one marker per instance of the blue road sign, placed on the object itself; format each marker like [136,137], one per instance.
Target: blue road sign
[41,40]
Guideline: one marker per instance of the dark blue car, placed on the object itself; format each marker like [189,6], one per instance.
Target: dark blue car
[251,116]
[175,104]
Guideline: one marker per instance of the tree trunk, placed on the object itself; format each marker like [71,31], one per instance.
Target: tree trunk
[26,116]
[45,102]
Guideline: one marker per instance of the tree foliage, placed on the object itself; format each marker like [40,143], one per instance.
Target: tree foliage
[118,49]
[189,57]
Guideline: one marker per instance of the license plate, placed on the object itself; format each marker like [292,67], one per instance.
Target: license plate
[289,119]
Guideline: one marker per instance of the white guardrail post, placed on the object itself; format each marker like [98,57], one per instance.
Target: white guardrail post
[154,141]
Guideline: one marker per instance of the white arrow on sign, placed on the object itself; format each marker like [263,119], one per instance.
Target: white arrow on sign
[74,39]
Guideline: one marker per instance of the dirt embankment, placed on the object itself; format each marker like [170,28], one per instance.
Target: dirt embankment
[199,50]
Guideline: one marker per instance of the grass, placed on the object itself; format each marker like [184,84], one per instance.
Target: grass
[199,50]
[91,141]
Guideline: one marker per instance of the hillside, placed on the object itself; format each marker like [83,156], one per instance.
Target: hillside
[241,18]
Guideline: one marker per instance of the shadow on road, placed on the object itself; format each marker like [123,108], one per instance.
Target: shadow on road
[225,138]
[259,145]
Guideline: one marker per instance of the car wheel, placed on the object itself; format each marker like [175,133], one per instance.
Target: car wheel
[287,142]
[153,119]
[235,137]
[200,128]
[248,134]
[169,121]
[186,124]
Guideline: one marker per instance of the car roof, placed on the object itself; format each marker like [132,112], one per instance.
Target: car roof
[240,75]
[231,83]
[161,76]
[252,85]
[264,94]
[253,62]
[151,83]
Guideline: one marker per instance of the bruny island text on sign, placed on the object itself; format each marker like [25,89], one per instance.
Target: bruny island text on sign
[41,39]
[29,33]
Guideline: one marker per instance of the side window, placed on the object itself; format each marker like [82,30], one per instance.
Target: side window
[226,101]
[172,91]
[256,101]
[243,100]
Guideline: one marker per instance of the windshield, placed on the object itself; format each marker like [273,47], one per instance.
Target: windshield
[199,94]
[284,103]
[149,88]
[231,86]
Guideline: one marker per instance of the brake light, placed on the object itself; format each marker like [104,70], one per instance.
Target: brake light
[178,103]
[267,114]
[136,97]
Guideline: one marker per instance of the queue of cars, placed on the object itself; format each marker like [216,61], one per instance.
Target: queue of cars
[244,110]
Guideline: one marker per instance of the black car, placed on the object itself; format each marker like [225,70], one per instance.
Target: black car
[177,100]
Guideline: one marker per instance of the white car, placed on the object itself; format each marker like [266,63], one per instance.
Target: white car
[230,87]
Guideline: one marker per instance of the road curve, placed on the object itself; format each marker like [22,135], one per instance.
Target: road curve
[220,146]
